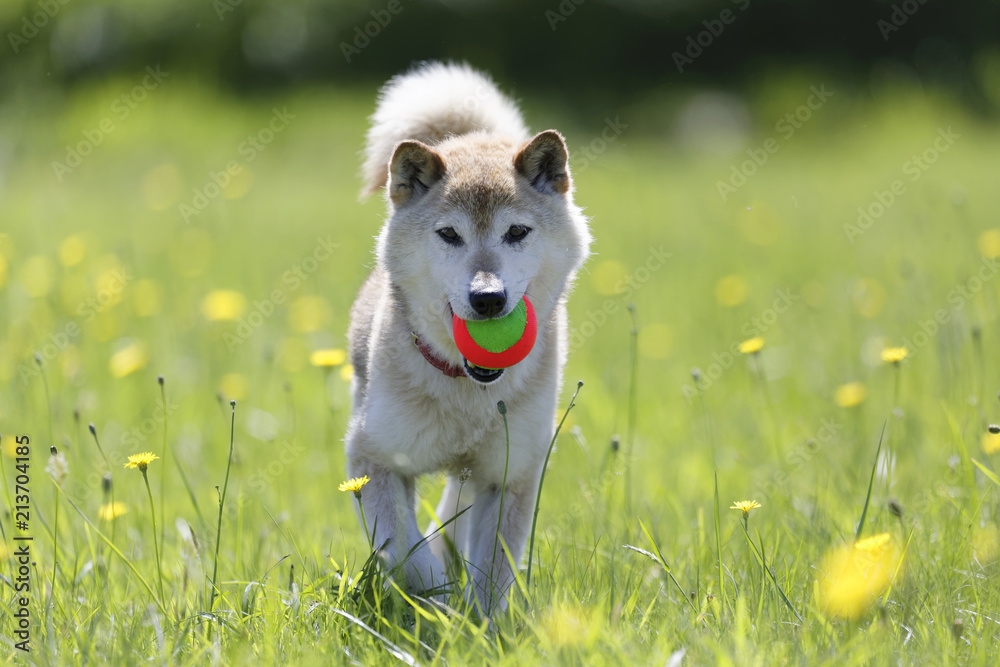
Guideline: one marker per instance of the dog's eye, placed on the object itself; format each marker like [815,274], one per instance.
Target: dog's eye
[516,233]
[450,236]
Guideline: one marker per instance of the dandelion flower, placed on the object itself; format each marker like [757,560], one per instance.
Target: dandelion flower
[849,395]
[141,461]
[72,250]
[990,442]
[354,485]
[223,305]
[346,372]
[328,358]
[745,506]
[233,385]
[989,243]
[128,360]
[873,545]
[111,511]
[731,291]
[751,345]
[853,577]
[568,626]
[894,354]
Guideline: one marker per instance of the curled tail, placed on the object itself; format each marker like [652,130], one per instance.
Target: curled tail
[430,103]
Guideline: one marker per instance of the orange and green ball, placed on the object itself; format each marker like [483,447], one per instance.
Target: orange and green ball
[500,342]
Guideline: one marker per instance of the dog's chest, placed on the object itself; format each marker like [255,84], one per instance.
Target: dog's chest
[418,434]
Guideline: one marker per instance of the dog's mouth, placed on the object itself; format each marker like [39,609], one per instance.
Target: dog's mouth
[482,375]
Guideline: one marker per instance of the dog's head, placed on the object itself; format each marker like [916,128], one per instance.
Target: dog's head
[477,222]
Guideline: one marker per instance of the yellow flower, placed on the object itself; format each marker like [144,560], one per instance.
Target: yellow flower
[989,243]
[72,250]
[346,372]
[233,386]
[128,360]
[328,357]
[853,577]
[991,442]
[731,291]
[849,395]
[752,345]
[141,461]
[111,511]
[569,625]
[745,506]
[354,485]
[873,545]
[894,354]
[223,305]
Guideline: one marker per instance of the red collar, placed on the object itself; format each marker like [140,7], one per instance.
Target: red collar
[450,370]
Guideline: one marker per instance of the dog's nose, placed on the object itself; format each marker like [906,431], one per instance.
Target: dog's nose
[488,304]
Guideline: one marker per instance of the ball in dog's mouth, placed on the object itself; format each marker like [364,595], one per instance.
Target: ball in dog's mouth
[482,375]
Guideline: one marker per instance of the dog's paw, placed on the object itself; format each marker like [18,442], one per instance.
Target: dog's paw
[424,572]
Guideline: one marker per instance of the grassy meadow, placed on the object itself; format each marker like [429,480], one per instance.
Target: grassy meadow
[217,242]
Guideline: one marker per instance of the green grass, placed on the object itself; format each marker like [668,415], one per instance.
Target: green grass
[296,584]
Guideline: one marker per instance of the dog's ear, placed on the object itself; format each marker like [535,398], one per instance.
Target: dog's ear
[413,169]
[544,162]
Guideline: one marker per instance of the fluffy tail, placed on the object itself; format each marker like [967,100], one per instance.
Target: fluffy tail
[430,103]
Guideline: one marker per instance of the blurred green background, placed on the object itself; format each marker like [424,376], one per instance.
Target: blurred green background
[178,196]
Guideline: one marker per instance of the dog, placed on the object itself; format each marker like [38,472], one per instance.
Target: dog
[480,214]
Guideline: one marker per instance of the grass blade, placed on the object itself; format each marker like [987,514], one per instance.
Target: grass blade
[718,539]
[541,480]
[992,476]
[871,483]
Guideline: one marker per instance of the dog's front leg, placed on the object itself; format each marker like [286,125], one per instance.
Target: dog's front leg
[490,564]
[389,512]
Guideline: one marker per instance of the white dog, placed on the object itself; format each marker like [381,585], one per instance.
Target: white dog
[480,213]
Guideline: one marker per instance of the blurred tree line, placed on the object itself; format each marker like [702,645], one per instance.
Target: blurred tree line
[617,47]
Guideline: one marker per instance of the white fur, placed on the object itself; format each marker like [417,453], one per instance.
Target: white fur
[431,103]
[409,419]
